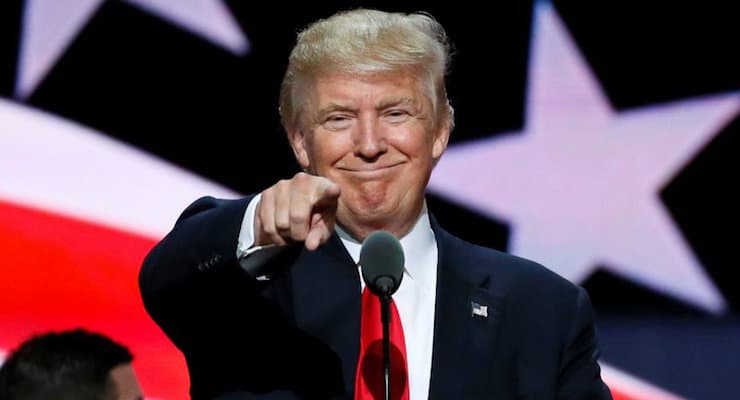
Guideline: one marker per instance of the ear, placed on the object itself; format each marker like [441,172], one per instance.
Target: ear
[297,140]
[441,137]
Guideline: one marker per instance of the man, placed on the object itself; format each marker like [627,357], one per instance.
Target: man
[263,294]
[69,365]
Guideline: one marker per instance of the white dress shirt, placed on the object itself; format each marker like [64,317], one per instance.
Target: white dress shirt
[415,298]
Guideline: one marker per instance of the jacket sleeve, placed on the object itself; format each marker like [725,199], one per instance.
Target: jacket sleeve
[192,274]
[194,289]
[202,242]
[580,375]
[234,330]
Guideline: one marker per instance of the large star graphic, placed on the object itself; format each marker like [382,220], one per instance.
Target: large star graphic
[580,183]
[50,26]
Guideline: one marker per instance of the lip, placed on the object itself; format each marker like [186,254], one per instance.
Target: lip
[374,170]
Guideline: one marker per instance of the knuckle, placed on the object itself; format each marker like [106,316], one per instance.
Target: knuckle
[282,185]
[300,179]
[263,213]
[269,229]
[297,218]
[267,196]
[304,181]
[282,223]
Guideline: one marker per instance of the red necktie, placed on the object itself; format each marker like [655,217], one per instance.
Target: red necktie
[369,383]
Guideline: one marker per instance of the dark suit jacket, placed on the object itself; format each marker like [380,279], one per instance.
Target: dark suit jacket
[297,335]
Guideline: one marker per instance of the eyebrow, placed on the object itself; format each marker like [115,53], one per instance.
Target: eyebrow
[332,107]
[397,102]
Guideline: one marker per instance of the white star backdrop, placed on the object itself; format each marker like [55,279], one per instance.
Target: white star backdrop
[579,185]
[50,26]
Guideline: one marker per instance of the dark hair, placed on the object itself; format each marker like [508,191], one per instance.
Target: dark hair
[64,365]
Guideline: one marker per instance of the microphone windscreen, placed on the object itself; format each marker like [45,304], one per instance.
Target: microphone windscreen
[382,261]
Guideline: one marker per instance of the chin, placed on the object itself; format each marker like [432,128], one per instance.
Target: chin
[369,209]
[374,197]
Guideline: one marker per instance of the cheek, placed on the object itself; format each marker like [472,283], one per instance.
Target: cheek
[328,148]
[416,145]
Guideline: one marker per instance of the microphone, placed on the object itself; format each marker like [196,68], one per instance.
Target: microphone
[382,260]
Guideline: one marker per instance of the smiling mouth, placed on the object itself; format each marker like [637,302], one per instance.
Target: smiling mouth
[370,170]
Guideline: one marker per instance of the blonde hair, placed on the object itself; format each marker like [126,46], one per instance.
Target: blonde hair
[364,41]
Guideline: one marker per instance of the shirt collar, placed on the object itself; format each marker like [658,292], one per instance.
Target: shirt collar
[415,243]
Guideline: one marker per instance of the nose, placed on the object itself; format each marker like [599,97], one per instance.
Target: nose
[369,140]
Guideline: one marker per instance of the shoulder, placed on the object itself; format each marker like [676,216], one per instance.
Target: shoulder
[517,277]
[213,204]
[532,298]
[208,209]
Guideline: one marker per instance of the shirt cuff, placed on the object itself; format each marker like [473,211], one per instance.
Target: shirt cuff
[246,234]
[252,257]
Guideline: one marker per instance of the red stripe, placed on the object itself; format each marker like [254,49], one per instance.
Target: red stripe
[60,272]
[617,395]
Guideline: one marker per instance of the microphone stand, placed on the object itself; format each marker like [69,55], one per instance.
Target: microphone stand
[385,316]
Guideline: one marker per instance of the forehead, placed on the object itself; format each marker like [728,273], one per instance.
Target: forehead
[376,87]
[125,383]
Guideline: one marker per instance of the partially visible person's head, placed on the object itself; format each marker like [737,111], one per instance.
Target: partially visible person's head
[365,41]
[69,365]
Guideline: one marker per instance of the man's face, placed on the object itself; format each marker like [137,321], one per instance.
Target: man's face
[125,383]
[375,136]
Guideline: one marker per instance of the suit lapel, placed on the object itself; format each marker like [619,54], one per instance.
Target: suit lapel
[467,315]
[327,302]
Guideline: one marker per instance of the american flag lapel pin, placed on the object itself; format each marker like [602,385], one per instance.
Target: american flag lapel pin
[479,310]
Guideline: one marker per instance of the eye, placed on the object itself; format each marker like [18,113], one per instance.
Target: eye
[337,122]
[396,115]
